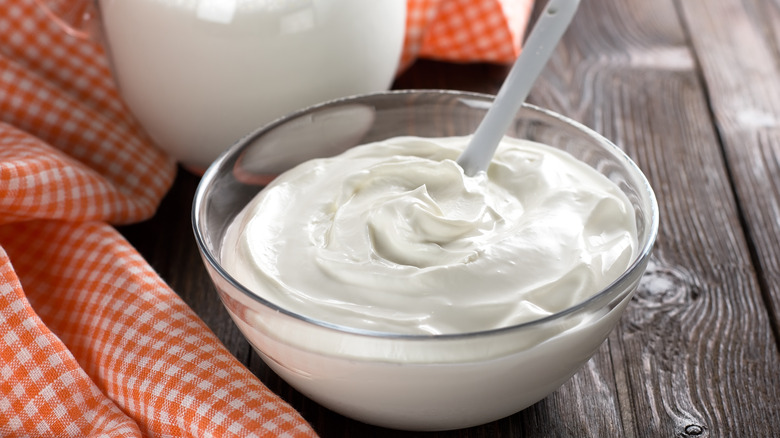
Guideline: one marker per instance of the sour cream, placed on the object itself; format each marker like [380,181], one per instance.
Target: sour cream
[393,237]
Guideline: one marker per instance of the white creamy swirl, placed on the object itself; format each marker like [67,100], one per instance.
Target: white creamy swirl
[393,237]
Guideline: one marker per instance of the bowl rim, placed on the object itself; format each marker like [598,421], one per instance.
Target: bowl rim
[212,172]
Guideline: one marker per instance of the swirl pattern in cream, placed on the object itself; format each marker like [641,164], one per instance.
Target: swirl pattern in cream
[393,237]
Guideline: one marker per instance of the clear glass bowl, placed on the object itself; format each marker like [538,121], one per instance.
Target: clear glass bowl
[413,382]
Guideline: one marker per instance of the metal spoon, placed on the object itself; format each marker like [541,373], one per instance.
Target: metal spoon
[547,31]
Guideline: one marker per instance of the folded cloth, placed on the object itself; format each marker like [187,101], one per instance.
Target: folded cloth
[92,341]
[465,30]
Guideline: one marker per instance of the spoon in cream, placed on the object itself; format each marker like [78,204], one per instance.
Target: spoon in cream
[538,48]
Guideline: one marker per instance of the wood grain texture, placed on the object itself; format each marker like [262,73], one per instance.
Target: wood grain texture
[697,333]
[689,89]
[741,67]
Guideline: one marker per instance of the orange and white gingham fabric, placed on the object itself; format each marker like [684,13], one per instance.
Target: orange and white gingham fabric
[465,30]
[92,341]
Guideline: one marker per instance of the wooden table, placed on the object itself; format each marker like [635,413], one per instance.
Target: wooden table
[690,89]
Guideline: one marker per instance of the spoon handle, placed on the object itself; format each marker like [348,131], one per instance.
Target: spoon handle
[538,48]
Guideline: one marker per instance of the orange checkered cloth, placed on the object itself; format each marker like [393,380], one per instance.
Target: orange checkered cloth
[92,341]
[465,30]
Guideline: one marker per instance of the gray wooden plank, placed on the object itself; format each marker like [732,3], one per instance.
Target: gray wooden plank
[697,334]
[741,66]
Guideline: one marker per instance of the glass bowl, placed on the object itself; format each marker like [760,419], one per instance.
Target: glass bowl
[413,382]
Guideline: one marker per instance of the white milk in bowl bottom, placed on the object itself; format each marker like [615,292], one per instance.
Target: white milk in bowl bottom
[201,74]
[427,396]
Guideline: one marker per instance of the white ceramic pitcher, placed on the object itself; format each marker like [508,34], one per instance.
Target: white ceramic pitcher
[200,74]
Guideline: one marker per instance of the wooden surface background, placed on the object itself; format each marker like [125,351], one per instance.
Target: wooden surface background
[691,90]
